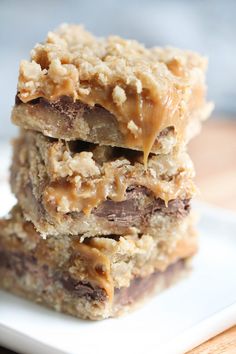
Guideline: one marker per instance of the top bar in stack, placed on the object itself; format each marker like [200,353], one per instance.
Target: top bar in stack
[111,91]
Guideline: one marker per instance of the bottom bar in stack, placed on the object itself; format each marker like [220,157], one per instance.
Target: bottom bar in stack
[96,277]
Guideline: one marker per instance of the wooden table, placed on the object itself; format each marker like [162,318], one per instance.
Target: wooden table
[214,155]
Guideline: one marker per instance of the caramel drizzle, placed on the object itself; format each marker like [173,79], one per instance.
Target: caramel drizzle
[90,195]
[87,197]
[150,113]
[151,116]
[153,88]
[97,266]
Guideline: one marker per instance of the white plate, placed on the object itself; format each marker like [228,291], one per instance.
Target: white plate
[175,321]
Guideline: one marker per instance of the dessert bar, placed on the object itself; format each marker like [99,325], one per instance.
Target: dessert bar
[91,278]
[83,188]
[111,91]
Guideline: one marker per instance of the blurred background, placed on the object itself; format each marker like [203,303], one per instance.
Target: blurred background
[207,26]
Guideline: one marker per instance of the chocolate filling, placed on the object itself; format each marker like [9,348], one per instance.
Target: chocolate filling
[21,264]
[131,212]
[65,106]
[71,109]
[139,287]
[83,289]
[16,261]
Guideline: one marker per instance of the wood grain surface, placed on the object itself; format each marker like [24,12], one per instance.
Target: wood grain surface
[214,155]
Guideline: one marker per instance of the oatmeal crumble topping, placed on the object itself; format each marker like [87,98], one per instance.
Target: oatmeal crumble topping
[154,88]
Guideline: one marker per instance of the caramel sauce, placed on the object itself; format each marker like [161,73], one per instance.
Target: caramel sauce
[64,196]
[150,111]
[66,88]
[95,196]
[148,87]
[151,115]
[175,67]
[57,190]
[97,266]
[87,197]
[120,188]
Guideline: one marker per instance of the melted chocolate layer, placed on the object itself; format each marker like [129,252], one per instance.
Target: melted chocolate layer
[131,211]
[83,289]
[139,287]
[22,264]
[70,109]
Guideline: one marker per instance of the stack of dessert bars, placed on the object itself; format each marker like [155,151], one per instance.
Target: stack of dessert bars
[101,173]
